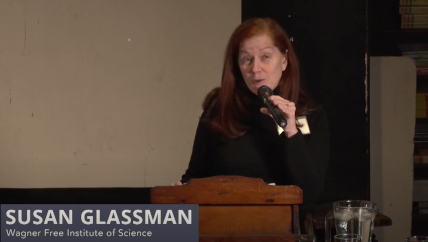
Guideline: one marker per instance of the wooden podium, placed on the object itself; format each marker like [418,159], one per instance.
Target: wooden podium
[236,208]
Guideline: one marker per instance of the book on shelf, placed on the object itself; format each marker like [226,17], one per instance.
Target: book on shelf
[414,25]
[420,207]
[421,211]
[421,97]
[413,46]
[413,10]
[420,190]
[414,14]
[414,18]
[422,71]
[420,54]
[421,113]
[406,47]
[420,159]
[420,204]
[421,135]
[421,128]
[413,2]
[421,105]
[422,62]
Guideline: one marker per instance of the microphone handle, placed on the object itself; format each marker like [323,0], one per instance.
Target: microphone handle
[277,114]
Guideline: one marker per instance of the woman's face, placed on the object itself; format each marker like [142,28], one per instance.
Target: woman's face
[261,63]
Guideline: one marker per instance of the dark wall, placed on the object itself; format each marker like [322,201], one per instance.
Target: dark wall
[330,40]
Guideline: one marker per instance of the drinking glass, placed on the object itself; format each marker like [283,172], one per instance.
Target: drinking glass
[347,238]
[351,217]
[309,238]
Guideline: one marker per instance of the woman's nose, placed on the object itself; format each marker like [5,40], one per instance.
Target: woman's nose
[256,66]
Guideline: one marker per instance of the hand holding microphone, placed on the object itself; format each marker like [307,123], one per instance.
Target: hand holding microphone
[282,111]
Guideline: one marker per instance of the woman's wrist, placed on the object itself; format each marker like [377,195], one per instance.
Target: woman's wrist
[290,131]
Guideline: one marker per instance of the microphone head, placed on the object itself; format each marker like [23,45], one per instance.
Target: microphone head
[263,91]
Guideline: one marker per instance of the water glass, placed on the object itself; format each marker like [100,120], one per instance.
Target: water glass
[347,238]
[351,217]
[309,238]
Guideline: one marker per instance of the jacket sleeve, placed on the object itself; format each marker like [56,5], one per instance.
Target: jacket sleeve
[308,157]
[198,165]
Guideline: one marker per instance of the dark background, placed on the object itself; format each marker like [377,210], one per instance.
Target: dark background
[330,40]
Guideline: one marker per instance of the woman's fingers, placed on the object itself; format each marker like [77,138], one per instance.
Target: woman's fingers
[265,111]
[277,100]
[287,107]
[289,110]
[176,184]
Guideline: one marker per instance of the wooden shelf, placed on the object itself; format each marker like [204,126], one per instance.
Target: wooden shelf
[420,217]
[422,120]
[422,77]
[421,144]
[420,165]
[384,42]
[422,83]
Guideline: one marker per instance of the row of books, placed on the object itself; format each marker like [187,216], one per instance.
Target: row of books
[421,133]
[419,53]
[422,105]
[420,190]
[421,113]
[422,108]
[420,159]
[421,97]
[420,207]
[414,14]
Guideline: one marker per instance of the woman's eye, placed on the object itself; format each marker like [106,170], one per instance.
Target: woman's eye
[266,57]
[247,59]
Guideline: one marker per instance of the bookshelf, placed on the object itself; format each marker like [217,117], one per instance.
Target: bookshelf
[386,38]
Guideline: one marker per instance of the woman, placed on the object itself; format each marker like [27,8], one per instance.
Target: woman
[237,135]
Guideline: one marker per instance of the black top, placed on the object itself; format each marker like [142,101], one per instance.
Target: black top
[300,160]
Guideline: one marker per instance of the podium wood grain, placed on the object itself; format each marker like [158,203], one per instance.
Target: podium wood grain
[236,208]
[227,190]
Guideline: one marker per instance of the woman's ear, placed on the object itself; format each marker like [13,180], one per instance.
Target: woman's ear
[284,63]
[285,60]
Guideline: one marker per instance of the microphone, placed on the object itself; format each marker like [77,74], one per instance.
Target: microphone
[264,92]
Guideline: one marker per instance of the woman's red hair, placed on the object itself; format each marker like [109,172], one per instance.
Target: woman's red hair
[225,109]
